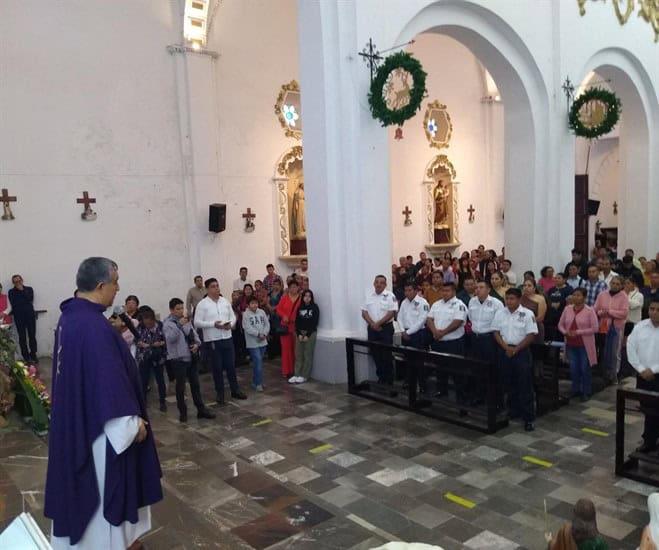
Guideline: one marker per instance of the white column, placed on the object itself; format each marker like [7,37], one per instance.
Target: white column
[346,177]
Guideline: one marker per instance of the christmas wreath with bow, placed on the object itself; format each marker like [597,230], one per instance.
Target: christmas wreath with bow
[377,100]
[613,108]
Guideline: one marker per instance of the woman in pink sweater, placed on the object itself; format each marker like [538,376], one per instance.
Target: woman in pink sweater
[612,308]
[579,324]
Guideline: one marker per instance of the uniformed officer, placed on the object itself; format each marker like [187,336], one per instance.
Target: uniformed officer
[482,309]
[514,331]
[643,354]
[446,320]
[378,312]
[412,317]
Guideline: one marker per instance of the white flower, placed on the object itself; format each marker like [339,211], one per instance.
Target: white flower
[290,115]
[432,127]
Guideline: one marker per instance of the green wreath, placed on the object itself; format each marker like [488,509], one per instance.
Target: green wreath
[613,108]
[376,101]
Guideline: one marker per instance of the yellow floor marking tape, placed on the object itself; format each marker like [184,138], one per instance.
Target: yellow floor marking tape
[320,449]
[594,432]
[459,500]
[537,461]
[263,422]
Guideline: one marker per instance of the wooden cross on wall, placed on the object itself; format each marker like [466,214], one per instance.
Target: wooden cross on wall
[7,214]
[88,214]
[407,213]
[249,224]
[471,211]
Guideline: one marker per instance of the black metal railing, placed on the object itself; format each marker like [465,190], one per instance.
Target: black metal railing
[470,393]
[643,467]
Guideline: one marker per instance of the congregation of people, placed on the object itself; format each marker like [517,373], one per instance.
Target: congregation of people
[604,311]
[206,331]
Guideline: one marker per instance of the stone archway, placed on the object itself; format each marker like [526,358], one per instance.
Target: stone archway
[639,160]
[526,116]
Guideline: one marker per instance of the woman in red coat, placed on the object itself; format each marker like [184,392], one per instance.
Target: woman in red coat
[287,311]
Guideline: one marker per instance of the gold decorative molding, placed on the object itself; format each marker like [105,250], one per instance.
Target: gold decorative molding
[437,125]
[648,10]
[292,155]
[289,166]
[289,96]
[440,162]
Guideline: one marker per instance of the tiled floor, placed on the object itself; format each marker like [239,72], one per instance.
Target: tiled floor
[312,467]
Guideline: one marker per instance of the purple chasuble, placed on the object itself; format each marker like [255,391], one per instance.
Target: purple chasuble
[95,379]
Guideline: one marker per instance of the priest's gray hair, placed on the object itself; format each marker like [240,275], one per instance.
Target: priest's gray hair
[94,271]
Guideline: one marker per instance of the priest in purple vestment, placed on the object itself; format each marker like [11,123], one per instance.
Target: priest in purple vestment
[103,469]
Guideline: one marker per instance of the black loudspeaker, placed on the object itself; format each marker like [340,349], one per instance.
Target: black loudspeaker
[593,207]
[217,217]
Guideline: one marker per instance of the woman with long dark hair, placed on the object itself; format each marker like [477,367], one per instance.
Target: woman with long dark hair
[306,325]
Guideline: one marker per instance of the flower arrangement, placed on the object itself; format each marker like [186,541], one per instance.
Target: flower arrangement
[32,398]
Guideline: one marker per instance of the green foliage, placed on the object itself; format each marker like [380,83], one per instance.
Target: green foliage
[376,101]
[613,109]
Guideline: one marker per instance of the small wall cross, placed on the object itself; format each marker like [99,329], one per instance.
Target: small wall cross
[407,213]
[7,214]
[249,224]
[471,211]
[88,214]
[615,208]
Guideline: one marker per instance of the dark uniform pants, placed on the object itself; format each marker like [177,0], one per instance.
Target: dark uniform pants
[651,426]
[454,347]
[484,348]
[383,361]
[518,369]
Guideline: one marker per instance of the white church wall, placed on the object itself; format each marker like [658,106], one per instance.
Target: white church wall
[237,137]
[81,110]
[455,78]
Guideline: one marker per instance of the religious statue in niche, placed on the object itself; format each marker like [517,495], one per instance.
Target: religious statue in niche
[291,202]
[442,204]
[298,217]
[441,196]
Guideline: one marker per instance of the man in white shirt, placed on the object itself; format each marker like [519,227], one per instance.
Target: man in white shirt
[215,316]
[303,270]
[378,311]
[482,310]
[240,282]
[446,320]
[643,355]
[514,331]
[412,317]
[606,273]
[510,275]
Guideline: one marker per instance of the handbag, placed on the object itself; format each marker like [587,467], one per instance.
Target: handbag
[282,329]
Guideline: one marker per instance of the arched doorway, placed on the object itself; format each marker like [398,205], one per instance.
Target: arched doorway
[636,166]
[526,117]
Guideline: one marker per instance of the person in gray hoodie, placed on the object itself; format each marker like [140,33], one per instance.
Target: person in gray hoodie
[182,342]
[256,327]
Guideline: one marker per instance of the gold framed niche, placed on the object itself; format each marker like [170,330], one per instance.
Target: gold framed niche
[441,190]
[291,206]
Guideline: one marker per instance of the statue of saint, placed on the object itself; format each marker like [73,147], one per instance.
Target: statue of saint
[441,197]
[298,217]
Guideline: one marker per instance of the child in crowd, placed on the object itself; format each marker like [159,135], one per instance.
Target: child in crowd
[151,354]
[256,327]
